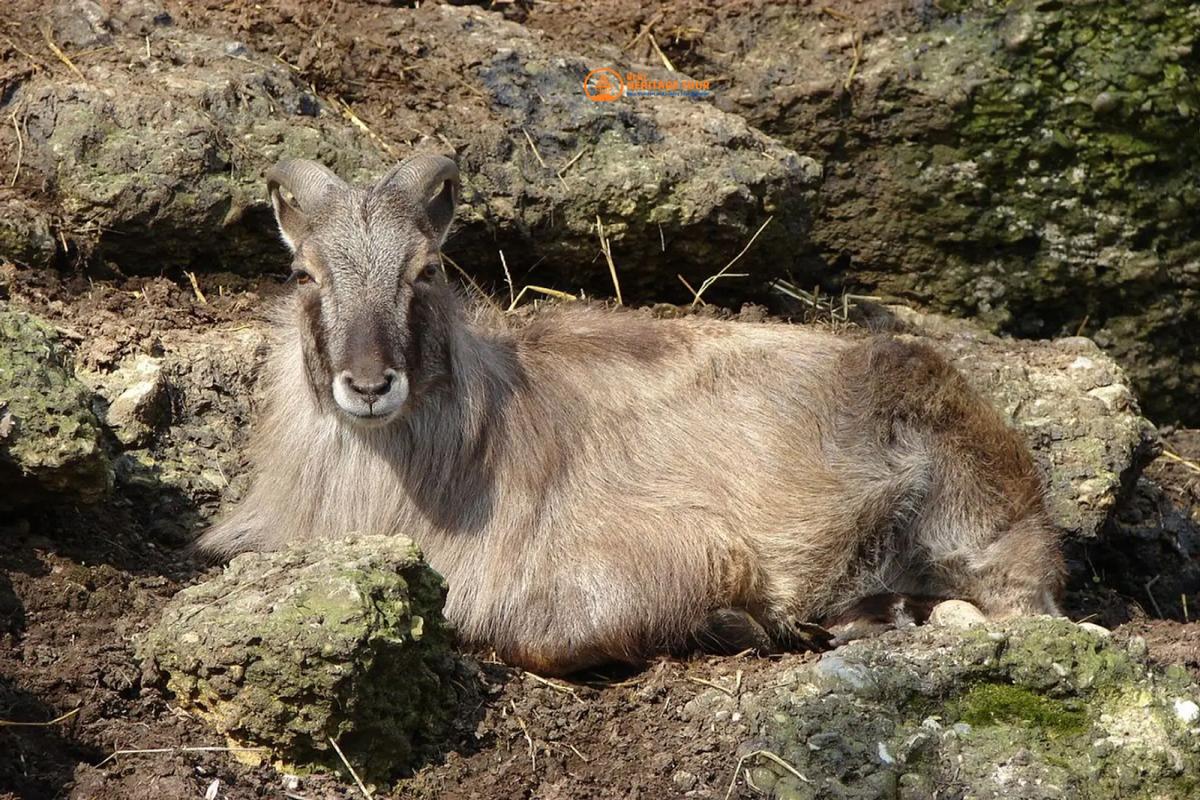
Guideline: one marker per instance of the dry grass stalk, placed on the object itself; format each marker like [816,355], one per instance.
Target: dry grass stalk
[606,248]
[160,750]
[662,56]
[4,723]
[534,148]
[512,300]
[191,276]
[362,788]
[711,684]
[571,163]
[558,687]
[20,149]
[641,34]
[63,57]
[724,271]
[541,290]
[767,754]
[858,42]
[1178,459]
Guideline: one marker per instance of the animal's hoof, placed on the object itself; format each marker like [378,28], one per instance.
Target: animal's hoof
[956,614]
[811,637]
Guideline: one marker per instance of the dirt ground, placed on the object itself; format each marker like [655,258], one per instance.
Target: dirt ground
[77,583]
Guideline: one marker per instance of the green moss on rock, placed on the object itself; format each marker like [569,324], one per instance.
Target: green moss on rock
[1033,164]
[1031,709]
[1000,703]
[49,438]
[342,641]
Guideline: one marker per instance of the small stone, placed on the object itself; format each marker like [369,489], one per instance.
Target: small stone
[1098,630]
[1018,30]
[661,762]
[1105,102]
[1187,711]
[1116,397]
[141,406]
[685,780]
[956,614]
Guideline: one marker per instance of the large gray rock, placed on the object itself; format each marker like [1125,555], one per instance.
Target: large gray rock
[342,641]
[679,185]
[50,440]
[155,159]
[1029,710]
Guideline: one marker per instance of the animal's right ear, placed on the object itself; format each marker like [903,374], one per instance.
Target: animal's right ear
[310,185]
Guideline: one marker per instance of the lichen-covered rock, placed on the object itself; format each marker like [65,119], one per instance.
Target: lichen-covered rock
[49,438]
[1031,163]
[1028,710]
[679,186]
[156,159]
[1073,403]
[342,641]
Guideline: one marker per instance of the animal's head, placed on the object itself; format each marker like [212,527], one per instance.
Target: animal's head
[372,304]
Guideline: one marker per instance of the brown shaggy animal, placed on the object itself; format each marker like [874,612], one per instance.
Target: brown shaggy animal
[600,486]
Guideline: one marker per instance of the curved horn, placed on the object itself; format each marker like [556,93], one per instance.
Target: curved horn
[420,175]
[307,181]
[433,182]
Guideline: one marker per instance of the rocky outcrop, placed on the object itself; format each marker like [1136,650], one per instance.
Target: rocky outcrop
[151,156]
[50,441]
[1029,710]
[155,156]
[1031,164]
[287,653]
[679,186]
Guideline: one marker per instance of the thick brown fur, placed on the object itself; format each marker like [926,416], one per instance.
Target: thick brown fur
[595,485]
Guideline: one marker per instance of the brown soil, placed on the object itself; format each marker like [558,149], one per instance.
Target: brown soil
[77,583]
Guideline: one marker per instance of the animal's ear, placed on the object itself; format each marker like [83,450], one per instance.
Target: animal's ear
[441,207]
[310,185]
[432,182]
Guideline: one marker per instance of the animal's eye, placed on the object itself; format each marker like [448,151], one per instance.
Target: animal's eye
[300,276]
[429,271]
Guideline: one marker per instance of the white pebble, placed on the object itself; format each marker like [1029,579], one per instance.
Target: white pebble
[1187,711]
[956,614]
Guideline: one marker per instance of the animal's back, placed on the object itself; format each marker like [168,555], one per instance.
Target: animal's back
[677,457]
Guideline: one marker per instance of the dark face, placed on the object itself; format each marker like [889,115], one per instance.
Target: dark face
[371,299]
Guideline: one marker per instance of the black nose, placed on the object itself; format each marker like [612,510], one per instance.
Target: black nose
[373,388]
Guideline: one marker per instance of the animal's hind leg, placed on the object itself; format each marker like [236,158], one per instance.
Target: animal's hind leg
[982,526]
[1020,572]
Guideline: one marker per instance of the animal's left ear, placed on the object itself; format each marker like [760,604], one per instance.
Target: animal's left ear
[432,182]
